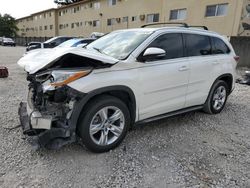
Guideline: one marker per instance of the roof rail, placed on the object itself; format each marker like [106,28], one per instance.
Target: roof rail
[176,23]
[199,26]
[170,23]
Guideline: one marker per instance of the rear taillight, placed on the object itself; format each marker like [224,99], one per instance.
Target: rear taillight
[237,58]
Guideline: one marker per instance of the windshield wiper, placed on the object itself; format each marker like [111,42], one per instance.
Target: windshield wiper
[98,49]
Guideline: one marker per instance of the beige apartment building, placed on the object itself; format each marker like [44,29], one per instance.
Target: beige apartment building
[228,17]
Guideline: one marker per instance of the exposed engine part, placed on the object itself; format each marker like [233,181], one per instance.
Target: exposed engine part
[47,114]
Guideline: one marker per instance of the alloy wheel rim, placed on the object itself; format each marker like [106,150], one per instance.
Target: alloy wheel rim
[219,98]
[107,126]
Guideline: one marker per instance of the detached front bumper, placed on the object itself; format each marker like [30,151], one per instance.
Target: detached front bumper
[52,138]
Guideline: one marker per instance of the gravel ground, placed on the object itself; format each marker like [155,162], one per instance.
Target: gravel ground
[191,150]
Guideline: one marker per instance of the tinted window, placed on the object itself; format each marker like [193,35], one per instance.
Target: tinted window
[197,45]
[219,46]
[171,43]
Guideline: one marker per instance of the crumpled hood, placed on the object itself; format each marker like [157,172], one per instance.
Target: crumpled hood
[39,55]
[35,61]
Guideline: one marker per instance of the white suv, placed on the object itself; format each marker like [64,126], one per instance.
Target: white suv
[128,76]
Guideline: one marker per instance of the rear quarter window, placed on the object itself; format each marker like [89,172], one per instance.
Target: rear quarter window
[219,46]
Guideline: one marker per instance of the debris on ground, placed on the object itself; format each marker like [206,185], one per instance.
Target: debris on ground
[4,73]
[245,80]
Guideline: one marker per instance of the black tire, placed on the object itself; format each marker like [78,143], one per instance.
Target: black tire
[208,106]
[83,127]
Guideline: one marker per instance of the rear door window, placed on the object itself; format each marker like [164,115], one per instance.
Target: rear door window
[197,45]
[172,43]
[219,46]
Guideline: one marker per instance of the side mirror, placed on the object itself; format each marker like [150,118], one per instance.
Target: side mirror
[153,54]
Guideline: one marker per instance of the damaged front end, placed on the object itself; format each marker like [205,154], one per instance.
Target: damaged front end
[47,114]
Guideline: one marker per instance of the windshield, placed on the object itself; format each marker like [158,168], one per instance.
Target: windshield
[119,44]
[70,43]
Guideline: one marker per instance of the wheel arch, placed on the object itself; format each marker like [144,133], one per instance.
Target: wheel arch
[228,78]
[122,92]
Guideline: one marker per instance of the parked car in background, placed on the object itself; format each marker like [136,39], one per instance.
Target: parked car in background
[76,42]
[47,52]
[33,45]
[128,76]
[8,42]
[96,35]
[51,43]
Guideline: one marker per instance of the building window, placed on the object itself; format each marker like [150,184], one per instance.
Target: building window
[179,14]
[97,5]
[153,18]
[111,2]
[51,27]
[216,10]
[61,26]
[111,21]
[45,27]
[72,25]
[134,18]
[125,19]
[96,23]
[40,28]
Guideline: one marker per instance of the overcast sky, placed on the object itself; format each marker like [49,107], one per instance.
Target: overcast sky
[21,8]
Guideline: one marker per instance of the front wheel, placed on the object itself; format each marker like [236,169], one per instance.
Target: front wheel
[217,98]
[103,123]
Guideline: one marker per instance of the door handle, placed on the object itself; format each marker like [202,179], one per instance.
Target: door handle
[183,68]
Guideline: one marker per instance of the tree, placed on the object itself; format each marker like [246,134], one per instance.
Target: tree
[65,2]
[8,26]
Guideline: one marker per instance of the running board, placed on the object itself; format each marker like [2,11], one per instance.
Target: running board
[178,112]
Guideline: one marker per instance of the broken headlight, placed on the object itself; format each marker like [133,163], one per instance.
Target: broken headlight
[61,78]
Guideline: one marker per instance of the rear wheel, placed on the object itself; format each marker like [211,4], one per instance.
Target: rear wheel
[217,98]
[104,123]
